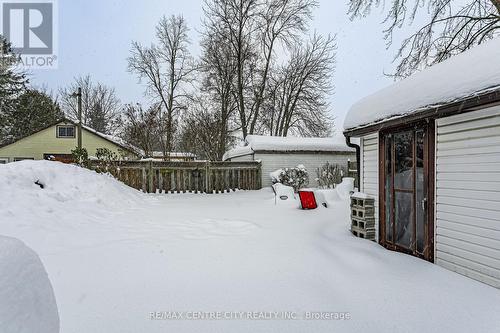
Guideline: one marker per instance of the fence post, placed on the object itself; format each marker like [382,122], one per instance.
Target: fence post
[151,177]
[207,177]
[144,180]
[259,176]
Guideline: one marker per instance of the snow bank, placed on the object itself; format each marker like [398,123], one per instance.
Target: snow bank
[277,143]
[464,75]
[340,193]
[61,183]
[27,302]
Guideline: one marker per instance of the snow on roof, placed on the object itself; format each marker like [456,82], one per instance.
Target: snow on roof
[464,75]
[175,154]
[116,140]
[277,143]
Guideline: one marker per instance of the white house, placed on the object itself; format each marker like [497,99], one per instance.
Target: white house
[430,156]
[286,152]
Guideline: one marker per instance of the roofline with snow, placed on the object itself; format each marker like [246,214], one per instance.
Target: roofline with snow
[66,119]
[467,104]
[303,151]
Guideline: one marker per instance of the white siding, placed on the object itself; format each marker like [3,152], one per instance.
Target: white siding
[468,194]
[312,161]
[369,170]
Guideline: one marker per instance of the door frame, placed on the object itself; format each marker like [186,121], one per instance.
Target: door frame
[427,125]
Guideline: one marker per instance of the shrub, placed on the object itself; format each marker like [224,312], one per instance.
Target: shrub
[81,157]
[330,175]
[295,177]
[107,161]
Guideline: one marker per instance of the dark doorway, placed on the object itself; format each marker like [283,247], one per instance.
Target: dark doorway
[407,189]
[64,158]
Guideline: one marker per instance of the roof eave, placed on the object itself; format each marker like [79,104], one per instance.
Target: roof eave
[467,104]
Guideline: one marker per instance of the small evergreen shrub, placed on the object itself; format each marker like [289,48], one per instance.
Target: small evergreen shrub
[81,157]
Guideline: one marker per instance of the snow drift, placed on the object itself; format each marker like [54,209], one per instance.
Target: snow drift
[62,183]
[27,302]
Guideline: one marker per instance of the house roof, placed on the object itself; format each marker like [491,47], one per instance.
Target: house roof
[464,76]
[115,140]
[260,143]
[174,154]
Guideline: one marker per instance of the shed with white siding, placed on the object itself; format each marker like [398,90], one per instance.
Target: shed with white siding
[288,152]
[430,156]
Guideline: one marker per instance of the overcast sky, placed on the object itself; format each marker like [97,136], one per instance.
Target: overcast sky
[95,36]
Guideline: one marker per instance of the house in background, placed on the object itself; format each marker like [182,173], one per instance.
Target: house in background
[57,140]
[287,152]
[430,156]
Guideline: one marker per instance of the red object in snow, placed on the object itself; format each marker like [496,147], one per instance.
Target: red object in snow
[307,200]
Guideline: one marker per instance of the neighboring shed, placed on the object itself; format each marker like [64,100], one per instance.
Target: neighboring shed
[282,152]
[430,156]
[58,139]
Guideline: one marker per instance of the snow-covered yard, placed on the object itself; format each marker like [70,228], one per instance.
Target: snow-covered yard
[115,255]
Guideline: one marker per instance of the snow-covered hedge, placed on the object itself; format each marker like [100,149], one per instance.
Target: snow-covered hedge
[296,178]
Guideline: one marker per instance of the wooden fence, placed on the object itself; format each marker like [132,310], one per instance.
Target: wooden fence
[194,176]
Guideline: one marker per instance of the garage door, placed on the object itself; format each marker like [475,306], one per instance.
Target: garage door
[468,194]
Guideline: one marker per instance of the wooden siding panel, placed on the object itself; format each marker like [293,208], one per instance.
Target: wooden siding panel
[468,194]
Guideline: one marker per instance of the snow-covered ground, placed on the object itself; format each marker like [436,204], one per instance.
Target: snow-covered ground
[115,255]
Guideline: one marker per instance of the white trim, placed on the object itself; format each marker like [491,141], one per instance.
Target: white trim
[434,245]
[361,164]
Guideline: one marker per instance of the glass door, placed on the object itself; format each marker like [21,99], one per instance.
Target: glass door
[405,191]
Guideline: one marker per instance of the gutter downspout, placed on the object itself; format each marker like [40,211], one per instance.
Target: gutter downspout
[358,157]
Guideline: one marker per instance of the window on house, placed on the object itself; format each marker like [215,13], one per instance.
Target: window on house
[4,160]
[17,159]
[66,131]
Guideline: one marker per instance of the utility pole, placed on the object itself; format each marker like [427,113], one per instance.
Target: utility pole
[78,96]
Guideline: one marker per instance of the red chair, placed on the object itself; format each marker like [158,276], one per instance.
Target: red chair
[307,200]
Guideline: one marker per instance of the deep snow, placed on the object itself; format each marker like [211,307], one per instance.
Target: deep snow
[27,302]
[114,255]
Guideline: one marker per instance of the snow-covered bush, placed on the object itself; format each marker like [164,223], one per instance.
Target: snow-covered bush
[295,177]
[330,175]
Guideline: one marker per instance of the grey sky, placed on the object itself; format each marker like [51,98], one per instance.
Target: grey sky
[95,37]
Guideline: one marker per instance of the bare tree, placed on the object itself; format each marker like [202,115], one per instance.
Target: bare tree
[203,131]
[166,68]
[237,21]
[216,94]
[100,105]
[254,29]
[140,127]
[299,89]
[281,21]
[454,27]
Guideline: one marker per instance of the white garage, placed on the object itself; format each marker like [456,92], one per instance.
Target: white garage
[430,156]
[288,152]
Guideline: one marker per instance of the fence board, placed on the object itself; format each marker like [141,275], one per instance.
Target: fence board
[193,176]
